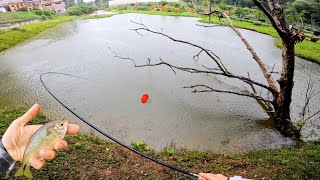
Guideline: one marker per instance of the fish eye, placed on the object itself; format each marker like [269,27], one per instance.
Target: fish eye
[61,124]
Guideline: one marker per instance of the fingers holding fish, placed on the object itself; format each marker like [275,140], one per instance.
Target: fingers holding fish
[61,145]
[47,154]
[36,163]
[73,129]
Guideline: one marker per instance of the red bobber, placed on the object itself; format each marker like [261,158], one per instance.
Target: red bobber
[144,98]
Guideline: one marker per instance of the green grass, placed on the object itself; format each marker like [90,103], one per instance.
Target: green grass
[89,157]
[12,37]
[307,49]
[99,16]
[17,16]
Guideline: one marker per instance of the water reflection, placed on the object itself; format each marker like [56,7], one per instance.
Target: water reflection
[217,122]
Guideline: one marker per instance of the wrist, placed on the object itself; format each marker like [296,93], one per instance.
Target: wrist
[7,162]
[8,149]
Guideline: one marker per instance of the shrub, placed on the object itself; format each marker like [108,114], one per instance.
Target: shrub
[38,12]
[23,9]
[143,8]
[164,8]
[80,9]
[169,151]
[170,9]
[74,11]
[140,146]
[36,8]
[163,3]
[176,5]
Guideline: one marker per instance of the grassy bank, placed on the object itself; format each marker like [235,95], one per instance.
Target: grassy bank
[98,16]
[89,157]
[12,37]
[307,49]
[17,16]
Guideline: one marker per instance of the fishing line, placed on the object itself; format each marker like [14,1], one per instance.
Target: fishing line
[107,135]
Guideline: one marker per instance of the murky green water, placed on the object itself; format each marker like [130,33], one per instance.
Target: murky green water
[173,116]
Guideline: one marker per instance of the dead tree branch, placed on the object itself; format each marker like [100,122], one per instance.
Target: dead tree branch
[263,67]
[268,76]
[309,95]
[209,89]
[124,58]
[213,71]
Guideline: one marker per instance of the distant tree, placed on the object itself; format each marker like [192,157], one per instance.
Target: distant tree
[70,2]
[79,1]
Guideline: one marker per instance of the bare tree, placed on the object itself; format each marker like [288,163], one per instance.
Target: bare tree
[277,103]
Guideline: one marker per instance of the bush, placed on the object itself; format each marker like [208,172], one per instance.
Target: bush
[84,8]
[36,8]
[74,11]
[24,9]
[164,8]
[176,5]
[46,14]
[143,8]
[38,12]
[163,3]
[170,9]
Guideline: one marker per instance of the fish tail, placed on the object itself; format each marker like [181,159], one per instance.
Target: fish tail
[27,172]
[20,171]
[24,170]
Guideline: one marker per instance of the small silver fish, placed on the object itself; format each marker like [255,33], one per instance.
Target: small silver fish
[45,137]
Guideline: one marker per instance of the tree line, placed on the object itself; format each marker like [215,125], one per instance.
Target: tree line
[296,11]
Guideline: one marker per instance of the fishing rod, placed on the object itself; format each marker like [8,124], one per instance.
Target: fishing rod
[107,135]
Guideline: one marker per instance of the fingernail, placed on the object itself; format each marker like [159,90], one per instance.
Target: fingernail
[44,153]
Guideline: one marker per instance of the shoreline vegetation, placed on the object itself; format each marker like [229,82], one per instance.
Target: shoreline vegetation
[90,157]
[307,49]
[14,36]
[98,16]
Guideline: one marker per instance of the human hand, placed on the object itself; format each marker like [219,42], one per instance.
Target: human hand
[209,176]
[17,136]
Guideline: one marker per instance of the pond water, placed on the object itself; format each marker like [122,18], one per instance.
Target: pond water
[173,116]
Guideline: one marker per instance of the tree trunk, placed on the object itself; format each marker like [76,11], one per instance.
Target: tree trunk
[283,101]
[210,8]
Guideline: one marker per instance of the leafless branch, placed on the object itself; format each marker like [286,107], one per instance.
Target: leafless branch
[263,67]
[117,56]
[196,57]
[209,89]
[211,69]
[272,70]
[307,116]
[208,26]
[211,55]
[193,70]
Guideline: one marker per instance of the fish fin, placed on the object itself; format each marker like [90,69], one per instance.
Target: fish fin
[27,172]
[24,170]
[20,171]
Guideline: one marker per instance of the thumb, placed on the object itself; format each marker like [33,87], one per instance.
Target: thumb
[29,115]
